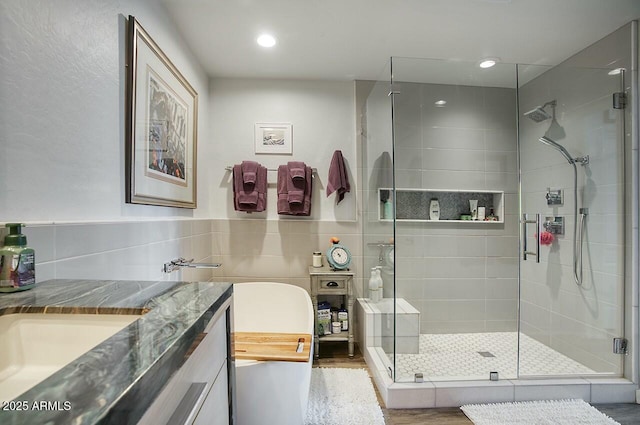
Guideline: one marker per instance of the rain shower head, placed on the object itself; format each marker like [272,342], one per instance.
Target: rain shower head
[559,147]
[538,114]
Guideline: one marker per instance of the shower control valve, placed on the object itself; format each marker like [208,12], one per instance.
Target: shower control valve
[554,196]
[554,225]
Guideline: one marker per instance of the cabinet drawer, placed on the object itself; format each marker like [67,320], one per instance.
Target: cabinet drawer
[328,285]
[203,366]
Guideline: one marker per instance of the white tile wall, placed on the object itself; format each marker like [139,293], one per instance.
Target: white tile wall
[461,278]
[132,250]
[274,250]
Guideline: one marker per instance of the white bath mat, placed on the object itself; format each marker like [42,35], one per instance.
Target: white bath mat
[556,412]
[342,397]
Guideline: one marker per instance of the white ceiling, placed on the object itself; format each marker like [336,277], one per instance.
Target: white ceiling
[354,39]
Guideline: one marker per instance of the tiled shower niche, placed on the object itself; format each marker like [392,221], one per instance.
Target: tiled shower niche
[413,204]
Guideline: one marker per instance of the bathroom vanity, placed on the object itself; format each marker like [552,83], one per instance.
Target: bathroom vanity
[173,363]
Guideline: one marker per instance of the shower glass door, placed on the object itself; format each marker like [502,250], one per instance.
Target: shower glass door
[571,143]
[378,224]
[456,220]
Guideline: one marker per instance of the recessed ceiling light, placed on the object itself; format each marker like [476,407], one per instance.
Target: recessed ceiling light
[616,71]
[266,40]
[488,62]
[440,103]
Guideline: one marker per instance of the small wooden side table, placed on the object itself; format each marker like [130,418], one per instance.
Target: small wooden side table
[326,281]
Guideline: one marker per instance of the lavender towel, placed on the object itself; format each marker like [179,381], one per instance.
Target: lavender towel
[297,170]
[249,170]
[250,197]
[338,177]
[285,207]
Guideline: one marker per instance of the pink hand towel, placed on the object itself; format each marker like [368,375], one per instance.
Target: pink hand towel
[296,185]
[338,177]
[261,188]
[254,198]
[249,169]
[284,206]
[283,194]
[296,169]
[248,200]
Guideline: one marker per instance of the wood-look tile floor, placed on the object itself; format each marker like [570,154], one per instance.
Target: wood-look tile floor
[335,355]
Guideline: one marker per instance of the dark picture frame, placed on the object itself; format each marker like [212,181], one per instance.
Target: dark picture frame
[161,127]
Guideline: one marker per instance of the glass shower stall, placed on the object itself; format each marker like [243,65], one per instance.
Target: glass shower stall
[498,211]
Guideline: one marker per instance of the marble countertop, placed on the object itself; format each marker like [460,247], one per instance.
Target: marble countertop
[115,382]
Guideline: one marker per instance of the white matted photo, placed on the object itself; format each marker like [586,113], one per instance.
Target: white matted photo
[274,138]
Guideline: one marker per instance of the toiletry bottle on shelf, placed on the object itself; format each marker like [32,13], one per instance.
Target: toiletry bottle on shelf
[434,210]
[388,209]
[17,261]
[343,318]
[374,293]
[473,207]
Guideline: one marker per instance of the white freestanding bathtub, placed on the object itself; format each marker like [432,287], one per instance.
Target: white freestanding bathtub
[272,392]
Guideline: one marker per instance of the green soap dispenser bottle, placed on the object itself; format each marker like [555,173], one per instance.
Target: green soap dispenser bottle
[17,261]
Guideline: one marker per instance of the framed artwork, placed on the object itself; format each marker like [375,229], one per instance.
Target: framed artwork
[161,127]
[274,138]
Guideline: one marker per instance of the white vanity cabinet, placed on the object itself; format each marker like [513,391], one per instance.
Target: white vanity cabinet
[198,393]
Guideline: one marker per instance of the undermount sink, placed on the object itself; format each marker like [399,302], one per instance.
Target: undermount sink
[33,346]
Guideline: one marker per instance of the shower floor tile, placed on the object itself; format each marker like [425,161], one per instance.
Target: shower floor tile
[474,355]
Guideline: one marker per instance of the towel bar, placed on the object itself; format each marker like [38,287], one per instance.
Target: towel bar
[230,168]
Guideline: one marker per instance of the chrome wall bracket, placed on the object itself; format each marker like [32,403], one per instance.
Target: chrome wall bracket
[582,160]
[620,346]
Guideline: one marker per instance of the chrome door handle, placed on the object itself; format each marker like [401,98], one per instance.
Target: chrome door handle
[525,220]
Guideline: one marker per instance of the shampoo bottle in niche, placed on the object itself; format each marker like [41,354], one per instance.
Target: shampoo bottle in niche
[17,261]
[388,209]
[434,210]
[374,293]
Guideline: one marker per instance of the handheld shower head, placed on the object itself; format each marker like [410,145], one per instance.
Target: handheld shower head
[558,147]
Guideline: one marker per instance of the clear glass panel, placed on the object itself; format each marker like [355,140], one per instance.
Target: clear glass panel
[378,230]
[572,300]
[455,142]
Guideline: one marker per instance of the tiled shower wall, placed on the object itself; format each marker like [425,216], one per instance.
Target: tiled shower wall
[461,277]
[578,321]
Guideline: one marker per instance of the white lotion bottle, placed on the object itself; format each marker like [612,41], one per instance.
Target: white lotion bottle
[374,293]
[380,283]
[434,210]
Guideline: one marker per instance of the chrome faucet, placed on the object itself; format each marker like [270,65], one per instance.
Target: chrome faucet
[181,262]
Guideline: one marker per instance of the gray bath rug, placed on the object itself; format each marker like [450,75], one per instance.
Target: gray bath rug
[548,412]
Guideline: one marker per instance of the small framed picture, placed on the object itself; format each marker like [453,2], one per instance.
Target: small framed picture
[274,138]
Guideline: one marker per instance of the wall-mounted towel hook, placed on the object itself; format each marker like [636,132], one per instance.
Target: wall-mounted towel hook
[181,262]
